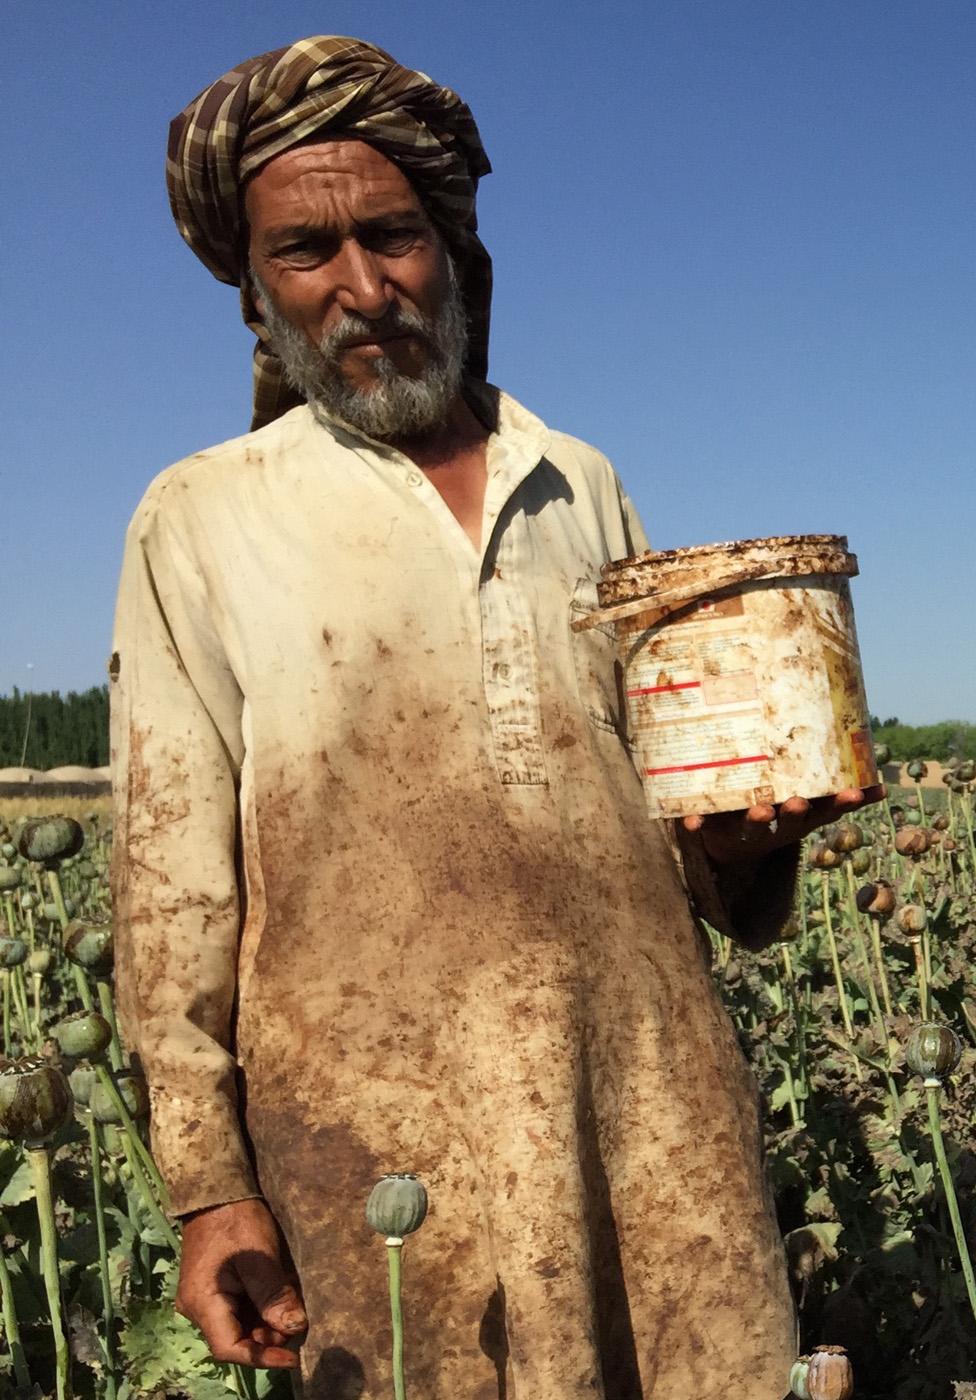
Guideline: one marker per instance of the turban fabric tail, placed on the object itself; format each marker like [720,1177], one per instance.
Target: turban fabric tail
[335,87]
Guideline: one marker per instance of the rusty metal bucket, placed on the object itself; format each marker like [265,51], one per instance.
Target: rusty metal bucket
[742,671]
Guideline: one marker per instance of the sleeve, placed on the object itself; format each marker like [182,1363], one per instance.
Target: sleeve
[175,718]
[749,902]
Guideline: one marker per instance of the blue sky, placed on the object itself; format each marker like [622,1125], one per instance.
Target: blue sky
[733,244]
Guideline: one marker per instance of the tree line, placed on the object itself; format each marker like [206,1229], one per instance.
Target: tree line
[49,730]
[950,738]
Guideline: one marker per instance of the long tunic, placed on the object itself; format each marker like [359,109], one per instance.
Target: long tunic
[388,900]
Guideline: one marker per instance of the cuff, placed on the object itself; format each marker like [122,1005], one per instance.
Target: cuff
[748,901]
[200,1152]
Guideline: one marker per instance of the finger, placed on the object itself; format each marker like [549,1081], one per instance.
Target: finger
[272,1293]
[268,1337]
[760,815]
[693,823]
[794,820]
[222,1331]
[836,804]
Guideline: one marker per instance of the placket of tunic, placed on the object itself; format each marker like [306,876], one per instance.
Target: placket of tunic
[500,609]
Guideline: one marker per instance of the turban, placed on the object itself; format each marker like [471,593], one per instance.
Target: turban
[328,87]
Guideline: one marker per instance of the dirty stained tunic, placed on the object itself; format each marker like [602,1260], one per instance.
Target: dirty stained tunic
[388,900]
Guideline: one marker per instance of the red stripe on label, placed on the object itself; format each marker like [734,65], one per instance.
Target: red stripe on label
[657,689]
[693,767]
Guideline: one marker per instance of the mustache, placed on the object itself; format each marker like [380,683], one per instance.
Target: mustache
[354,327]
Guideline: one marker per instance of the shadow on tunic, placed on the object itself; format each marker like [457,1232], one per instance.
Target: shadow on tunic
[493,1338]
[338,1375]
[614,1329]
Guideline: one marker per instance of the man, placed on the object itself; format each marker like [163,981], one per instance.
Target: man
[386,893]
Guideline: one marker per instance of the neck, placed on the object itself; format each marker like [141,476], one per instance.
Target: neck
[460,430]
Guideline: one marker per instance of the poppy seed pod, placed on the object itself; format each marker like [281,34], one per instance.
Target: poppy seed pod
[8,851]
[82,1080]
[845,837]
[877,900]
[88,942]
[133,1091]
[39,961]
[50,910]
[13,951]
[912,841]
[28,900]
[821,857]
[940,823]
[798,1378]
[861,862]
[85,1033]
[50,840]
[35,1100]
[932,1050]
[830,1375]
[917,769]
[9,877]
[882,754]
[912,920]
[966,770]
[397,1205]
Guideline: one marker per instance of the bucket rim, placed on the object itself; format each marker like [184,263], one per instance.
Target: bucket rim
[797,544]
[669,579]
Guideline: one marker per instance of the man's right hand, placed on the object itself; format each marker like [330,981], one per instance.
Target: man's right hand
[235,1288]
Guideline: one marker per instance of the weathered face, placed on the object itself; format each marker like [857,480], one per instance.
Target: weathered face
[337,231]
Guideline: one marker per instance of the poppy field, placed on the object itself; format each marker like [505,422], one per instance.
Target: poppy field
[860,1026]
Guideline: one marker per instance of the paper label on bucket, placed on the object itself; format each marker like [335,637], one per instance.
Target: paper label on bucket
[696,709]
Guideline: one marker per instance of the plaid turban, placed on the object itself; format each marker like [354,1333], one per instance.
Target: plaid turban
[331,87]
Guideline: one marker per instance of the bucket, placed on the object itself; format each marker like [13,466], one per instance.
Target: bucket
[742,672]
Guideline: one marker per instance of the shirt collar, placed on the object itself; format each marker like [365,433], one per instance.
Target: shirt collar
[518,442]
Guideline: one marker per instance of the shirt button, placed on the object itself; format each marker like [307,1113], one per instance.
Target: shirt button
[414,478]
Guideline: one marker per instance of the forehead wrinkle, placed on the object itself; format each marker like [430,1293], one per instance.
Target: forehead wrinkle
[329,162]
[300,194]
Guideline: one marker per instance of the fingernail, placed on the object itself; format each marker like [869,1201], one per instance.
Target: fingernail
[293,1321]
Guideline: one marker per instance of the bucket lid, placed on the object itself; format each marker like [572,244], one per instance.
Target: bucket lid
[669,577]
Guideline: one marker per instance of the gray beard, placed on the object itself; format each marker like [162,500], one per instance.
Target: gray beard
[397,405]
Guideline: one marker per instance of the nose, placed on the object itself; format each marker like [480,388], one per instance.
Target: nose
[362,284]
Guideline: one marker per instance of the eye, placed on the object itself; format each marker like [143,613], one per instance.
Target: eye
[300,252]
[391,240]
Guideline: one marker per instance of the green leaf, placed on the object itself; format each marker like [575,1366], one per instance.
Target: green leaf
[819,1203]
[780,1096]
[164,1348]
[19,1186]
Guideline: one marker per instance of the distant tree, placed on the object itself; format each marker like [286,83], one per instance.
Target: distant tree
[63,729]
